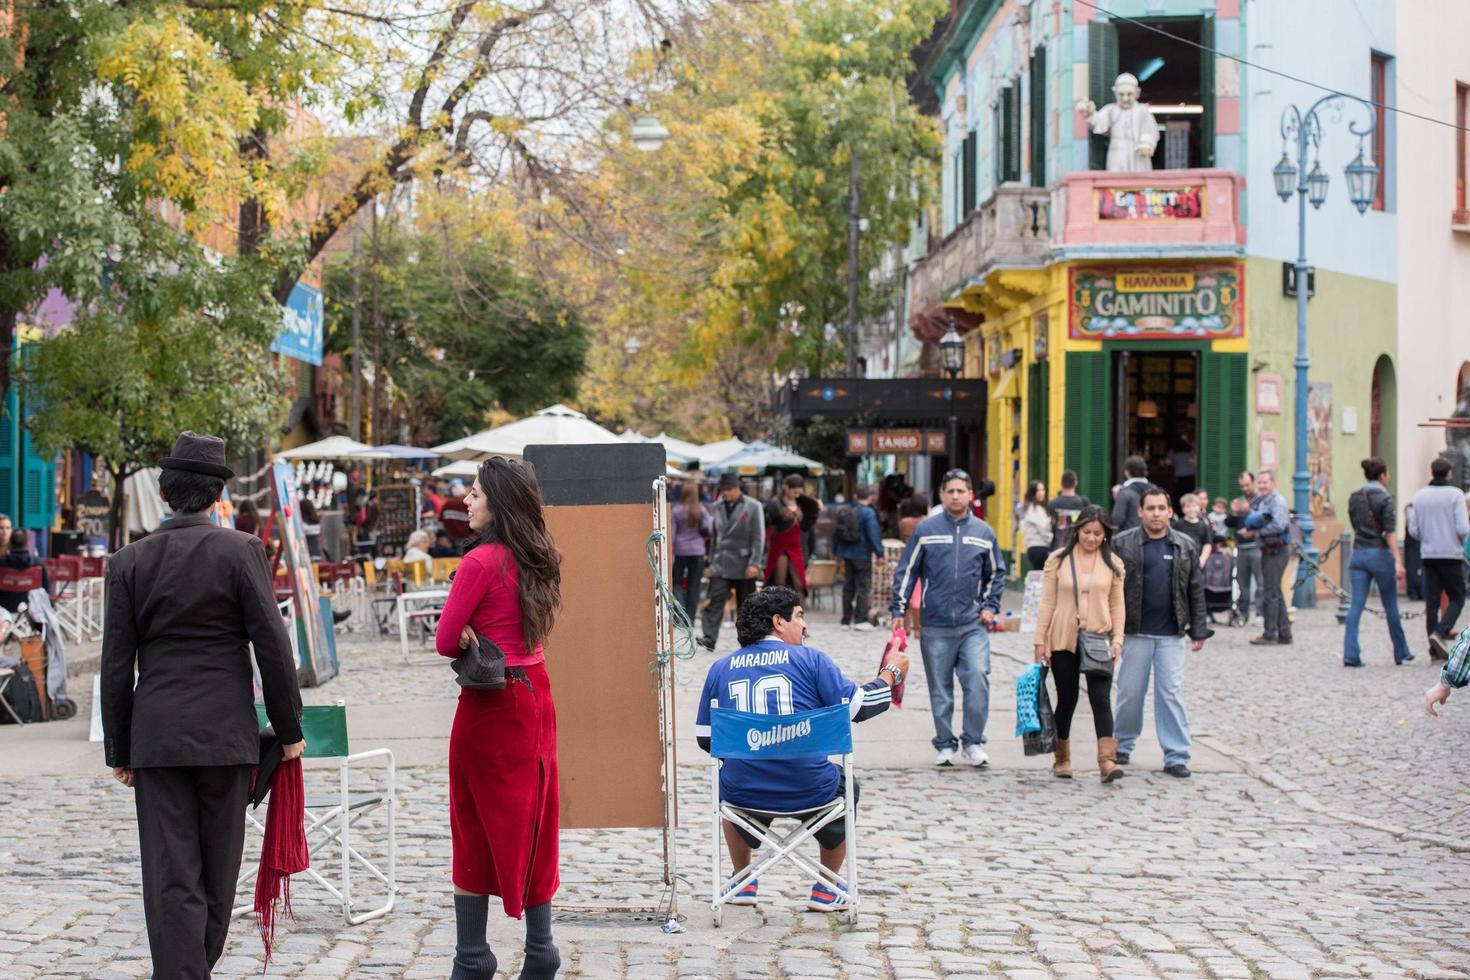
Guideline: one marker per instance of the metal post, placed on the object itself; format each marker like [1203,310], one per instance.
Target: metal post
[356,423]
[1345,556]
[954,428]
[1305,596]
[853,231]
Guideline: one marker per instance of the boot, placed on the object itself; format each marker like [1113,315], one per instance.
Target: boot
[1062,768]
[473,958]
[1107,756]
[543,959]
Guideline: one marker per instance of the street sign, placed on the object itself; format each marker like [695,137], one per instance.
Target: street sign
[898,442]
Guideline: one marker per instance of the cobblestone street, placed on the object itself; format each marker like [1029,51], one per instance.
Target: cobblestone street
[1320,836]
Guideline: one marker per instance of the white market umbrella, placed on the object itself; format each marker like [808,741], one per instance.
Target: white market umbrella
[673,456]
[460,468]
[678,446]
[333,447]
[759,458]
[556,425]
[713,452]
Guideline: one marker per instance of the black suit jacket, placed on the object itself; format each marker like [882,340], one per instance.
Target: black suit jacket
[184,605]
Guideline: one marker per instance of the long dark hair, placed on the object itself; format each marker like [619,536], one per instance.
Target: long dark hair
[517,522]
[693,513]
[1031,500]
[1089,514]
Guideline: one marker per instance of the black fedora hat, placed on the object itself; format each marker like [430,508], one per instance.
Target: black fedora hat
[198,454]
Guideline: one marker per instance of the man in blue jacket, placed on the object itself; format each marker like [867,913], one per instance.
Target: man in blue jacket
[858,543]
[959,561]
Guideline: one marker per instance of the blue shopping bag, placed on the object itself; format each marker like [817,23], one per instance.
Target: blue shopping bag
[1027,686]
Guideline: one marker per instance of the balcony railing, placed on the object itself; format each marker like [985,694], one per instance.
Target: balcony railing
[1084,215]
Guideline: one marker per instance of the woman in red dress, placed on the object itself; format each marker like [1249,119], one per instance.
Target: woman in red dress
[504,796]
[785,562]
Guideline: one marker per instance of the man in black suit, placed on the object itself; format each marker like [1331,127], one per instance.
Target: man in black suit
[184,607]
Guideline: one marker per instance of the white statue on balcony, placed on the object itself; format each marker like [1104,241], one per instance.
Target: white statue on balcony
[1129,125]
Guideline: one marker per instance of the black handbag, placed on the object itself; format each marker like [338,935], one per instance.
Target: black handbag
[481,667]
[1094,650]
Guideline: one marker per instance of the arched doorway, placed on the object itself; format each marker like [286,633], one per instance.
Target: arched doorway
[1383,420]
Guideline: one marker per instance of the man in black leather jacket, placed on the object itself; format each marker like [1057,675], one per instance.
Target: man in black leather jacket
[1164,599]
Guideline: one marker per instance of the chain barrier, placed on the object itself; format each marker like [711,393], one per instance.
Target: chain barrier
[685,646]
[1308,567]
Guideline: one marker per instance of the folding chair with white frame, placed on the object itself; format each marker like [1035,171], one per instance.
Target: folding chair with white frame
[746,735]
[331,816]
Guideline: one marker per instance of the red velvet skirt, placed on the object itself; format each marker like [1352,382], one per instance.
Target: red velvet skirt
[786,543]
[504,793]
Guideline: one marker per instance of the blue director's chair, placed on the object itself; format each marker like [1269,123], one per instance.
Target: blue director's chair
[746,735]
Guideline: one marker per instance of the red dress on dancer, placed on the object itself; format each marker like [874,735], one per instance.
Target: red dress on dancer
[783,540]
[504,794]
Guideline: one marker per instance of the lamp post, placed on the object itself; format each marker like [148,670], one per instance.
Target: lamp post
[1303,131]
[952,352]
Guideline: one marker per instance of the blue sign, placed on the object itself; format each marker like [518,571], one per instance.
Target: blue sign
[748,735]
[301,326]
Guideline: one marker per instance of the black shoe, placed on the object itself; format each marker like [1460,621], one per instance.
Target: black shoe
[1438,648]
[708,643]
[1352,663]
[1407,657]
[340,615]
[1284,640]
[1178,770]
[1121,758]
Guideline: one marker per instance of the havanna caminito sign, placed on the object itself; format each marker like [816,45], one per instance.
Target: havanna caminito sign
[1198,300]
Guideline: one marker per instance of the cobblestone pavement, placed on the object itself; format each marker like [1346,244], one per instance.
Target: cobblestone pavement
[1328,855]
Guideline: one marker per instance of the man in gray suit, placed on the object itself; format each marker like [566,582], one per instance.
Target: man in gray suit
[739,552]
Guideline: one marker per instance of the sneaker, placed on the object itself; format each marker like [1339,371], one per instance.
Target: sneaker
[1121,758]
[976,756]
[863,627]
[945,758]
[1178,770]
[748,895]
[1438,649]
[827,898]
[847,626]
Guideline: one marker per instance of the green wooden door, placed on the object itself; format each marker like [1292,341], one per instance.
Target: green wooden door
[1207,91]
[1222,428]
[1038,453]
[1102,69]
[1088,423]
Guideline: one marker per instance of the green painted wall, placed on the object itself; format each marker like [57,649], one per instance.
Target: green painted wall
[1351,322]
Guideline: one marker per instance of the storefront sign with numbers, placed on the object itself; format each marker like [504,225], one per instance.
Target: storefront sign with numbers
[1202,300]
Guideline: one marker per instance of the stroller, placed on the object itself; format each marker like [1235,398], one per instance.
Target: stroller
[1220,585]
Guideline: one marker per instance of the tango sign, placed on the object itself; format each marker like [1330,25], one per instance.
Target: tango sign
[1198,301]
[1150,203]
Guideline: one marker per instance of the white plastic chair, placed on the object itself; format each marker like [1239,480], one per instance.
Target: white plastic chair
[747,735]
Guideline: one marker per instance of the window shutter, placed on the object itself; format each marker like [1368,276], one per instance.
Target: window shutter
[1088,423]
[8,476]
[1013,154]
[1207,92]
[968,163]
[1038,117]
[1036,417]
[1102,68]
[1222,408]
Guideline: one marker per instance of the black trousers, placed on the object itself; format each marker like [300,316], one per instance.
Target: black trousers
[1445,575]
[1066,669]
[857,589]
[686,573]
[191,832]
[719,591]
[1273,603]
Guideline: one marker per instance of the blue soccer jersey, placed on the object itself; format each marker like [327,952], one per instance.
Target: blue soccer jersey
[775,678]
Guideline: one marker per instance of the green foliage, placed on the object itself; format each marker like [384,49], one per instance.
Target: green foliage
[463,332]
[173,342]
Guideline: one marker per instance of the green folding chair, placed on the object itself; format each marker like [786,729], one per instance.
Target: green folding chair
[330,815]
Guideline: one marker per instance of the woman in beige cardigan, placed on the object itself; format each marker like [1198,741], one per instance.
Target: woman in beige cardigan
[1100,589]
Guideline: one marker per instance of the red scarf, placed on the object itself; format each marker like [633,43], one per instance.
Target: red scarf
[283,852]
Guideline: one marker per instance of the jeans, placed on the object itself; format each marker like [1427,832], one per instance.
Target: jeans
[963,651]
[1443,575]
[686,573]
[857,587]
[1164,655]
[1248,577]
[1367,567]
[1273,603]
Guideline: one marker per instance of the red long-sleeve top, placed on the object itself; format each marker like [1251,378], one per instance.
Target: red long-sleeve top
[486,595]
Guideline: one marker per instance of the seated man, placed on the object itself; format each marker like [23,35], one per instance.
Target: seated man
[19,557]
[786,678]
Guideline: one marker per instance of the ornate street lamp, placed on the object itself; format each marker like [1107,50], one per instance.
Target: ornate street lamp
[952,353]
[1303,131]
